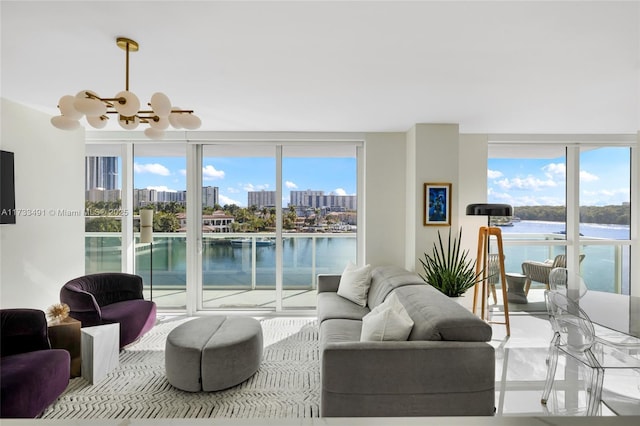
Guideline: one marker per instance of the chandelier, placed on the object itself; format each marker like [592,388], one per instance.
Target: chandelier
[126,106]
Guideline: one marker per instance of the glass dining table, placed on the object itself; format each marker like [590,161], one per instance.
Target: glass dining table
[617,312]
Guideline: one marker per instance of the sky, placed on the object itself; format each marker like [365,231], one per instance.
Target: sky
[604,179]
[235,176]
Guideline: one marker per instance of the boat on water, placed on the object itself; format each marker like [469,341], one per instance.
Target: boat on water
[262,242]
[501,221]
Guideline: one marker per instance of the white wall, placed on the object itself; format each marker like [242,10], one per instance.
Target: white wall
[432,150]
[45,248]
[385,206]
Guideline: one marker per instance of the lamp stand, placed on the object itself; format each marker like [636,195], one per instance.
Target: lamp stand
[482,261]
[151,271]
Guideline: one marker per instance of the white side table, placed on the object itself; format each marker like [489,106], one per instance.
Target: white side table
[100,349]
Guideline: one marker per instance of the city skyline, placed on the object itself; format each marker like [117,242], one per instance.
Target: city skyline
[236,177]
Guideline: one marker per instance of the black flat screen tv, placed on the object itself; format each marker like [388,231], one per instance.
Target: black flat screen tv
[7,188]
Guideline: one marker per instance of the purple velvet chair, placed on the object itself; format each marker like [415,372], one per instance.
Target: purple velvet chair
[111,297]
[32,374]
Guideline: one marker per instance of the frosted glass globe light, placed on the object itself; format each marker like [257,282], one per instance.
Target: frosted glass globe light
[87,105]
[97,122]
[160,104]
[131,104]
[65,123]
[153,133]
[174,119]
[161,124]
[67,109]
[128,123]
[190,121]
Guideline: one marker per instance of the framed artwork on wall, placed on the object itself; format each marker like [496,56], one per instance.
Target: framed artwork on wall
[437,204]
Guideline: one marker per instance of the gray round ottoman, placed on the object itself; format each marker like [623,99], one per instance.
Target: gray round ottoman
[213,353]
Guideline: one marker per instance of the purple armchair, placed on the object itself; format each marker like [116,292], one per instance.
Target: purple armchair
[33,374]
[111,297]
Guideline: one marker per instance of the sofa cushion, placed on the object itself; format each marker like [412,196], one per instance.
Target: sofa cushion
[385,279]
[354,283]
[31,381]
[387,321]
[330,306]
[436,317]
[136,317]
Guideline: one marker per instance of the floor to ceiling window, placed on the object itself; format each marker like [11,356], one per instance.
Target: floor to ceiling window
[544,183]
[264,238]
[159,183]
[103,209]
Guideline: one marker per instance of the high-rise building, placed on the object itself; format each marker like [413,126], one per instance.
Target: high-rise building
[261,199]
[209,196]
[301,198]
[101,172]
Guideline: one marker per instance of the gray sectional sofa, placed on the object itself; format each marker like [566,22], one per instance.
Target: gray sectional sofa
[445,368]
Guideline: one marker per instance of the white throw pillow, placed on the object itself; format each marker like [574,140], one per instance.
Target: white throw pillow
[387,321]
[354,283]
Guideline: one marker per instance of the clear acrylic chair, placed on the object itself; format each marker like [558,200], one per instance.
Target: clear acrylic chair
[574,336]
[558,279]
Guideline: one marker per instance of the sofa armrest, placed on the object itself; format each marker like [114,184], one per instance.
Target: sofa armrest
[82,304]
[328,282]
[408,367]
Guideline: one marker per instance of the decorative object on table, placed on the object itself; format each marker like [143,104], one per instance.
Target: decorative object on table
[58,312]
[450,270]
[437,204]
[146,237]
[127,107]
[484,253]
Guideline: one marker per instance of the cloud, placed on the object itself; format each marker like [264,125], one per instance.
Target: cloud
[340,191]
[233,190]
[529,183]
[154,168]
[251,187]
[223,199]
[587,177]
[210,173]
[555,170]
[183,172]
[161,188]
[494,174]
[290,185]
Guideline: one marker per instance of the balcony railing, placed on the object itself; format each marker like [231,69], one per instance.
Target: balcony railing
[247,260]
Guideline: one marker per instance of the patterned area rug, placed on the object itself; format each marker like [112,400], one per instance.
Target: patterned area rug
[286,385]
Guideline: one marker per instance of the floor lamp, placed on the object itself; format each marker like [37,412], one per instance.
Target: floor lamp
[146,236]
[482,262]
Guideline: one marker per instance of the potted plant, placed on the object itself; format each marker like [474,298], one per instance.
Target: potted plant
[450,270]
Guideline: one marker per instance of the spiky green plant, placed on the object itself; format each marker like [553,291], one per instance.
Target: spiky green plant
[450,270]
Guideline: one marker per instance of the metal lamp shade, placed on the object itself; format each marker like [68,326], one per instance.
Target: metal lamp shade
[489,210]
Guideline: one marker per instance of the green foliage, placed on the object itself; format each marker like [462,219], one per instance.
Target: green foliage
[450,270]
[103,224]
[165,222]
[613,215]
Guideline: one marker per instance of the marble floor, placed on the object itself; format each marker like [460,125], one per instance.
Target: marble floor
[521,370]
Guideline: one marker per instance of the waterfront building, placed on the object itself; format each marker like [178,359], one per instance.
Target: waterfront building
[219,221]
[209,196]
[261,199]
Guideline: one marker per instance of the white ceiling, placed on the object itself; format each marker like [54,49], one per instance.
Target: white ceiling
[492,67]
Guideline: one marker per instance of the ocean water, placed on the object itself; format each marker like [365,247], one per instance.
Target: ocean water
[604,268]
